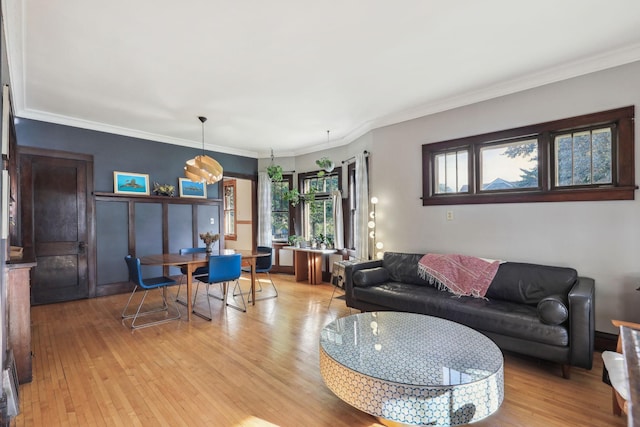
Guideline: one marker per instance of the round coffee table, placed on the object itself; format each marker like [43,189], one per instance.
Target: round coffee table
[412,369]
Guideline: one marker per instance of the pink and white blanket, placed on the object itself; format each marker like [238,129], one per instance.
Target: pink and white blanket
[460,274]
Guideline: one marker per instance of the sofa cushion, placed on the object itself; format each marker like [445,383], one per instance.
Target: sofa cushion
[370,276]
[403,267]
[530,283]
[552,310]
[500,317]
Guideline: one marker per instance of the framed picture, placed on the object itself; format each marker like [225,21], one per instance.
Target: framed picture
[189,188]
[130,183]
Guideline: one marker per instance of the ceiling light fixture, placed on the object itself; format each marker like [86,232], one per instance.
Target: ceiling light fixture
[203,168]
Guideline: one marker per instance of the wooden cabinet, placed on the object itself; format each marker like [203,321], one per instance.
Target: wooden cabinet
[19,315]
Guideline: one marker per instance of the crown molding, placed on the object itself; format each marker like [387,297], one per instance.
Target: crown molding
[101,127]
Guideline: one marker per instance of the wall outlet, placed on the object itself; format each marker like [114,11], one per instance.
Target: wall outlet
[211,221]
[449,215]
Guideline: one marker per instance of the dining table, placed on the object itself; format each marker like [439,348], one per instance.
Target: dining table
[192,261]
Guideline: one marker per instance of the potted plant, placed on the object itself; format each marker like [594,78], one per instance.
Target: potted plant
[275,172]
[292,196]
[329,240]
[325,164]
[209,238]
[163,189]
[322,241]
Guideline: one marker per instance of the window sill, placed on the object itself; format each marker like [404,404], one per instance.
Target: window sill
[573,195]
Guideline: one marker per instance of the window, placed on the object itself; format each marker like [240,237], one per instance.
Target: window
[281,218]
[229,186]
[582,158]
[317,203]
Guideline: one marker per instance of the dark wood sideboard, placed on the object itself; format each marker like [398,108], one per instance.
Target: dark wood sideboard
[19,314]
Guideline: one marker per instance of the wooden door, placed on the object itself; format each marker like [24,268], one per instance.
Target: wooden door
[54,192]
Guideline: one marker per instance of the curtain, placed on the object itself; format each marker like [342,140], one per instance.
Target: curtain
[264,209]
[360,233]
[338,223]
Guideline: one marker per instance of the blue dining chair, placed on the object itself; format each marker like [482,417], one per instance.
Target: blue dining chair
[161,283]
[222,269]
[200,271]
[263,265]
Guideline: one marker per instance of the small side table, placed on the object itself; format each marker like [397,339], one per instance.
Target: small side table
[338,276]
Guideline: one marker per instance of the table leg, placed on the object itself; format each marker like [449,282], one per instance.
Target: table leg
[315,268]
[252,262]
[190,270]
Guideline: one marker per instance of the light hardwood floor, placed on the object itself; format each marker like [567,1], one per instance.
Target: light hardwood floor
[258,368]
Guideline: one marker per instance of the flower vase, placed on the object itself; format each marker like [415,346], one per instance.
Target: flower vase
[209,249]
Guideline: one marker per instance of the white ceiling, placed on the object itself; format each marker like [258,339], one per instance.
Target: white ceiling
[278,74]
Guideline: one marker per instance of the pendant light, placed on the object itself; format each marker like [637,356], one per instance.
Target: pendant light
[203,168]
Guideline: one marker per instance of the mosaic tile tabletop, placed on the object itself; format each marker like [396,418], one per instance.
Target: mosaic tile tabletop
[412,369]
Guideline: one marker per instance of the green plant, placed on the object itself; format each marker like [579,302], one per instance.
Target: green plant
[325,164]
[292,196]
[329,241]
[275,172]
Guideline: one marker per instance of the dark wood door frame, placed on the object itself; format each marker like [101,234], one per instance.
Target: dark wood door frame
[27,229]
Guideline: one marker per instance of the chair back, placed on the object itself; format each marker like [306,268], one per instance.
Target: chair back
[186,251]
[135,272]
[224,268]
[264,263]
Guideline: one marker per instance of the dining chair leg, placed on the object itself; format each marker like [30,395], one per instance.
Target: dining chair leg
[164,307]
[138,314]
[237,307]
[178,300]
[193,305]
[216,296]
[275,295]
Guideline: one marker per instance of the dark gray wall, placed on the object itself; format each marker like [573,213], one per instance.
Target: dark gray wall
[163,162]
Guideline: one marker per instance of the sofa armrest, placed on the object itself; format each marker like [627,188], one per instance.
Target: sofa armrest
[349,270]
[581,301]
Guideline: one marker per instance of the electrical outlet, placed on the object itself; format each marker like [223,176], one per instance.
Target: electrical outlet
[449,215]
[211,221]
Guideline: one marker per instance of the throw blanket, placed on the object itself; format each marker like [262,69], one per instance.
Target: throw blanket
[460,274]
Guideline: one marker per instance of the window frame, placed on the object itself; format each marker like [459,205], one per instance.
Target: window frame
[623,169]
[302,177]
[227,211]
[287,178]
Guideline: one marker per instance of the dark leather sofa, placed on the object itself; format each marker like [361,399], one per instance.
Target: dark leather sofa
[540,311]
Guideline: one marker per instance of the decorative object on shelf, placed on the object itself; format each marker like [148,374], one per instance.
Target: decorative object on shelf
[164,189]
[209,238]
[377,246]
[189,188]
[130,183]
[203,168]
[274,171]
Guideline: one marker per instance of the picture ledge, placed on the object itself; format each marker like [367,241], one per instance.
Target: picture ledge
[153,197]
